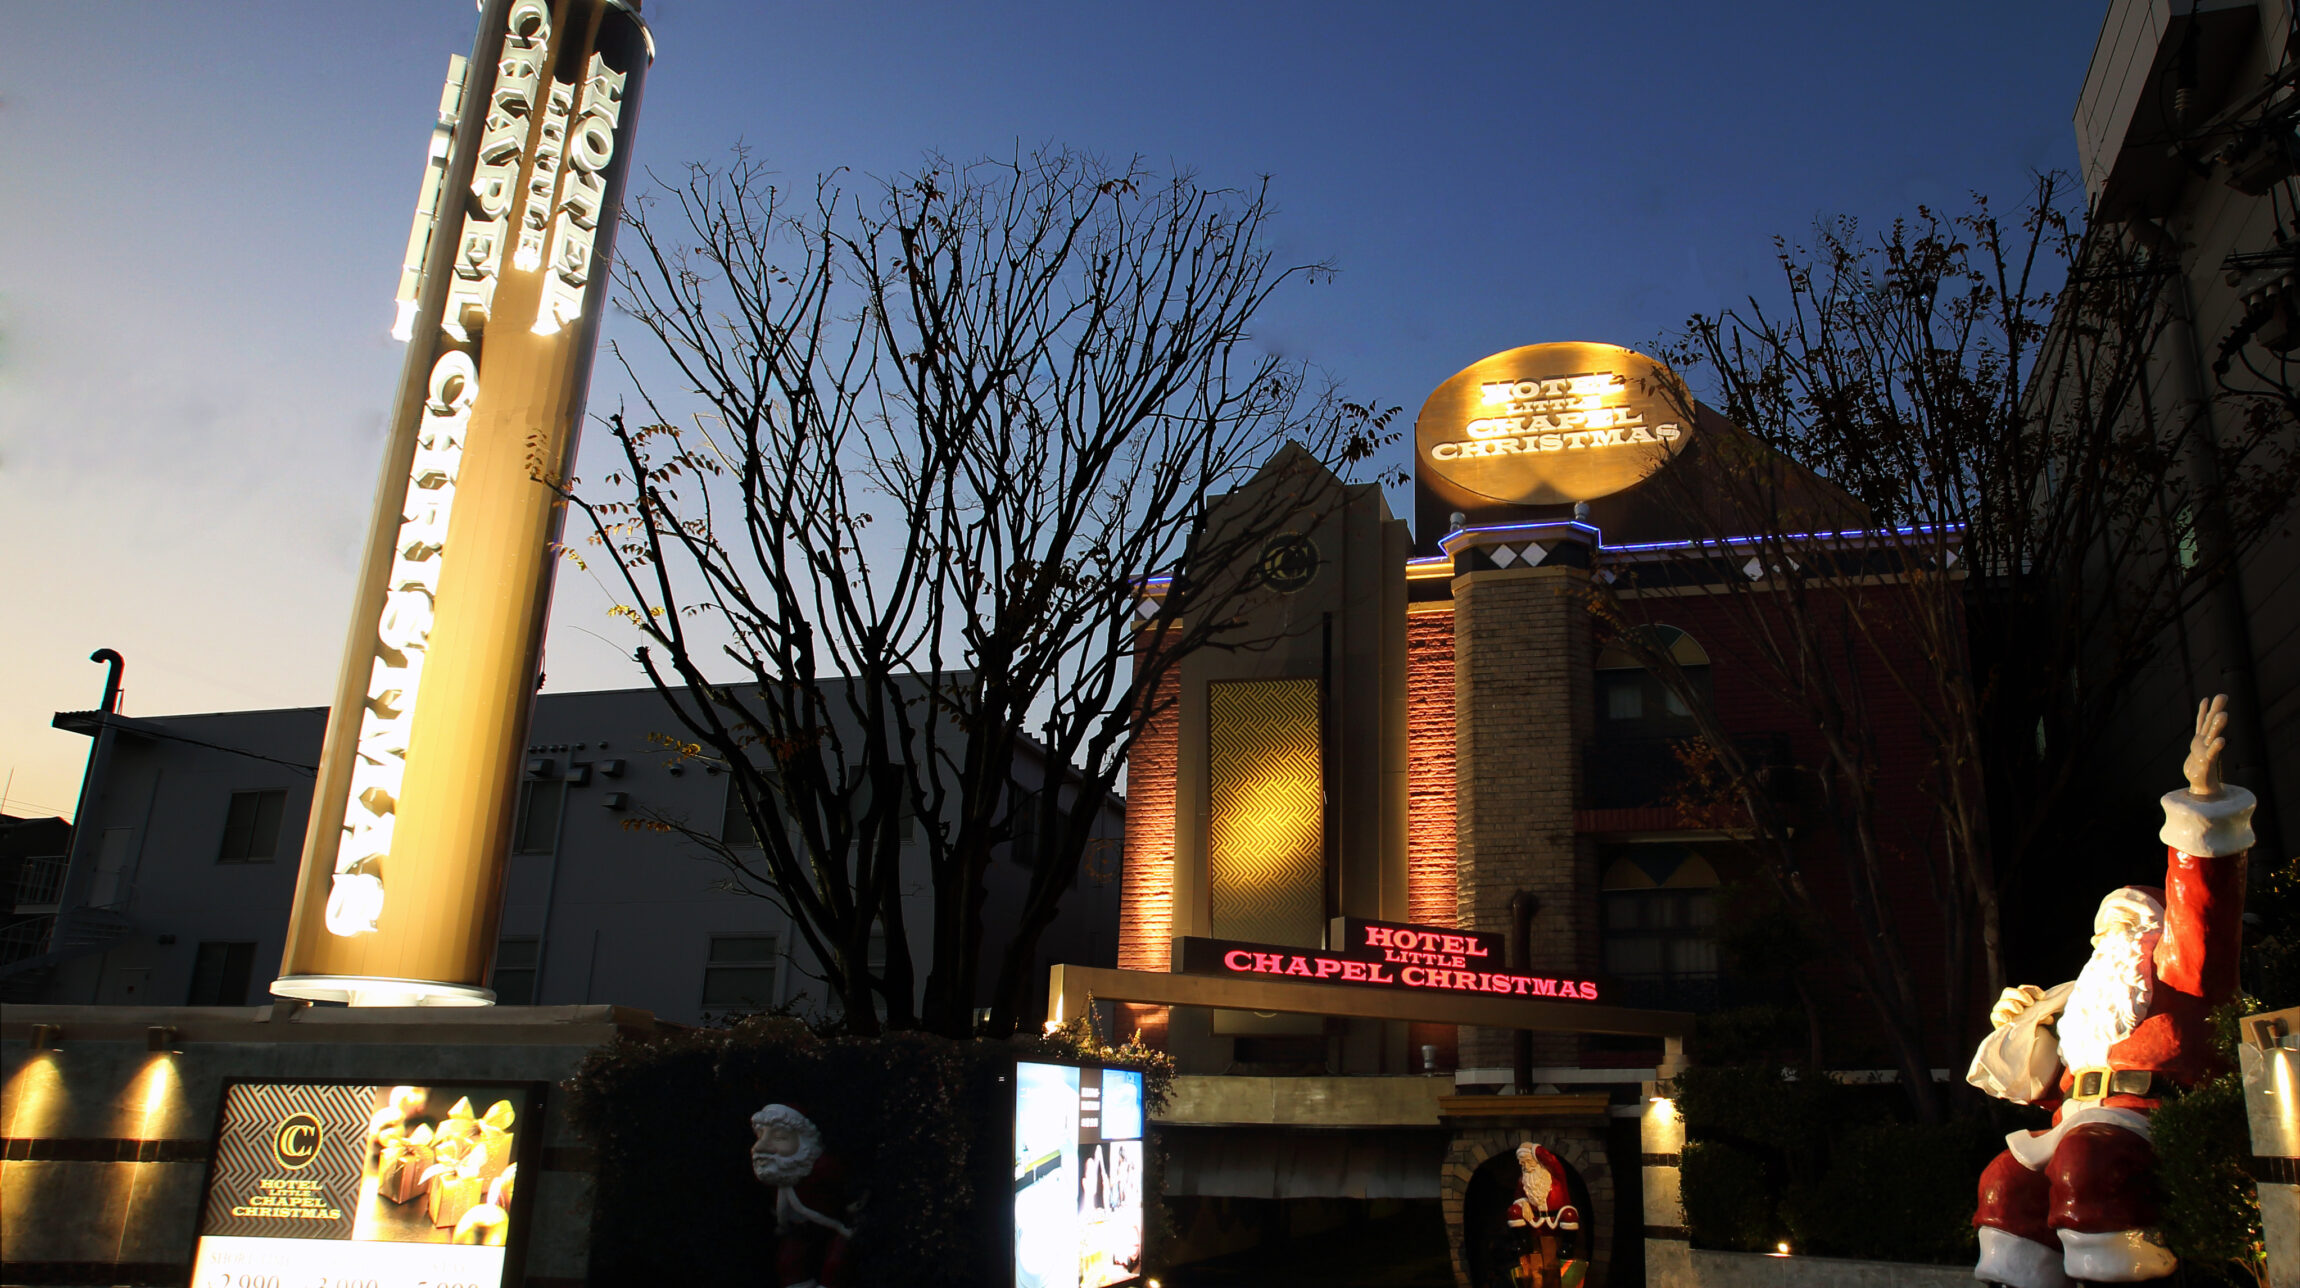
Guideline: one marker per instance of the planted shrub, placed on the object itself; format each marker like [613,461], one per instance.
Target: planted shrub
[918,1120]
[1894,1192]
[1730,1202]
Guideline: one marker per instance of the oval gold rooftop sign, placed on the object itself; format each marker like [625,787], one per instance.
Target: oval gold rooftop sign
[1552,423]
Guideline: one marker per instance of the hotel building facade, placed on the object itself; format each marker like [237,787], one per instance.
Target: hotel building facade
[1439,734]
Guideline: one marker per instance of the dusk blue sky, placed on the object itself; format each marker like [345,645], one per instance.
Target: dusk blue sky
[205,206]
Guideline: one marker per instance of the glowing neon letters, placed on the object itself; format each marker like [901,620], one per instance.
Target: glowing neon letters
[587,146]
[1390,955]
[495,178]
[402,638]
[1555,414]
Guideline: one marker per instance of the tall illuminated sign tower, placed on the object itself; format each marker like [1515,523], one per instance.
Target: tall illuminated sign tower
[500,302]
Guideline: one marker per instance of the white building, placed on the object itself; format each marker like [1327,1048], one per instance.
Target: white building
[190,828]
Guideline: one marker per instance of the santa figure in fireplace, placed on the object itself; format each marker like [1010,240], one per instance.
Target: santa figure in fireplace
[2078,1201]
[1544,1210]
[812,1205]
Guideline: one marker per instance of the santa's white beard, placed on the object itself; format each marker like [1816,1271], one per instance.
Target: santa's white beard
[1536,1182]
[2110,998]
[784,1169]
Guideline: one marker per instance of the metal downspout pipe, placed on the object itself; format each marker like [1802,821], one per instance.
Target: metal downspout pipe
[80,862]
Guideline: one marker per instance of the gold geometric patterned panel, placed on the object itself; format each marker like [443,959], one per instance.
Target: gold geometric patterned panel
[1265,839]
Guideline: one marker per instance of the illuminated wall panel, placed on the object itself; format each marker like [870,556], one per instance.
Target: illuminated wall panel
[1265,834]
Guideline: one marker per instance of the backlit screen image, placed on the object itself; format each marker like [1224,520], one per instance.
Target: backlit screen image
[1078,1180]
[395,1186]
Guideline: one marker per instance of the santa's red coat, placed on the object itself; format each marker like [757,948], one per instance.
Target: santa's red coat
[805,1249]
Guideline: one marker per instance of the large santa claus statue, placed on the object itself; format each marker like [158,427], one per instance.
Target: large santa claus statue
[811,1201]
[2078,1201]
[1544,1209]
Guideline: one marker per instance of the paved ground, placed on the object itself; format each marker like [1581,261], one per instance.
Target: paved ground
[1401,1252]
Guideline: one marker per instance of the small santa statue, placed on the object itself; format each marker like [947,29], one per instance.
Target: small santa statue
[1545,1211]
[2078,1201]
[811,1201]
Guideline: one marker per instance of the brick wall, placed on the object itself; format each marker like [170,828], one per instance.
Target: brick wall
[1146,896]
[1523,685]
[1430,828]
[1430,769]
[1146,900]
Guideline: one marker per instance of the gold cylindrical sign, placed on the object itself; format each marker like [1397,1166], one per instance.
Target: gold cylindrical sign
[1550,423]
[403,865]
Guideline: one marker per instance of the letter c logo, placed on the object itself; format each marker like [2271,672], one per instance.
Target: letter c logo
[296,1142]
[1236,960]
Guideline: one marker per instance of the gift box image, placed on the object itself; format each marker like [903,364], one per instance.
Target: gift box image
[455,1191]
[435,1159]
[400,1168]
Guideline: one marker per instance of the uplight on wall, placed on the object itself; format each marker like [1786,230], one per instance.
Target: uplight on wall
[161,1088]
[37,1096]
[1662,1129]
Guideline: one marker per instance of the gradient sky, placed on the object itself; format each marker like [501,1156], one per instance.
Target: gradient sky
[204,207]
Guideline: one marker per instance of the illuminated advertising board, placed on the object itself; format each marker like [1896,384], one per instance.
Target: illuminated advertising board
[501,292]
[1386,954]
[367,1186]
[1078,1176]
[1547,424]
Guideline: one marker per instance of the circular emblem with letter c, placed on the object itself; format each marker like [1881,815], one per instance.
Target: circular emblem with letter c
[296,1141]
[1289,561]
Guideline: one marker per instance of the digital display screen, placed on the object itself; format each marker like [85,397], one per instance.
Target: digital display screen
[1077,1176]
[363,1186]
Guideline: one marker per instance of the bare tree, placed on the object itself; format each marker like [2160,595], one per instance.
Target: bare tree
[933,440]
[2012,510]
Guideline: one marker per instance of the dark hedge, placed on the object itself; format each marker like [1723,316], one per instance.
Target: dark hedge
[918,1120]
[1826,1167]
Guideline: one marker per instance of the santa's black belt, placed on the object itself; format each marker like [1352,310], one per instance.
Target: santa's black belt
[2100,1083]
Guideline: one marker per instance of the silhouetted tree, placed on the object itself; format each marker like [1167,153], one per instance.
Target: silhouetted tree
[2018,505]
[930,442]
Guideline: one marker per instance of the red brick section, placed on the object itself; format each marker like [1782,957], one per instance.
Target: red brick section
[1429,769]
[1146,901]
[1146,897]
[1429,802]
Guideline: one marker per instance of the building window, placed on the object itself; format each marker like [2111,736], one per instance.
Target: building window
[252,828]
[1659,927]
[734,821]
[220,974]
[905,817]
[537,827]
[1633,702]
[1023,849]
[513,978]
[739,974]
